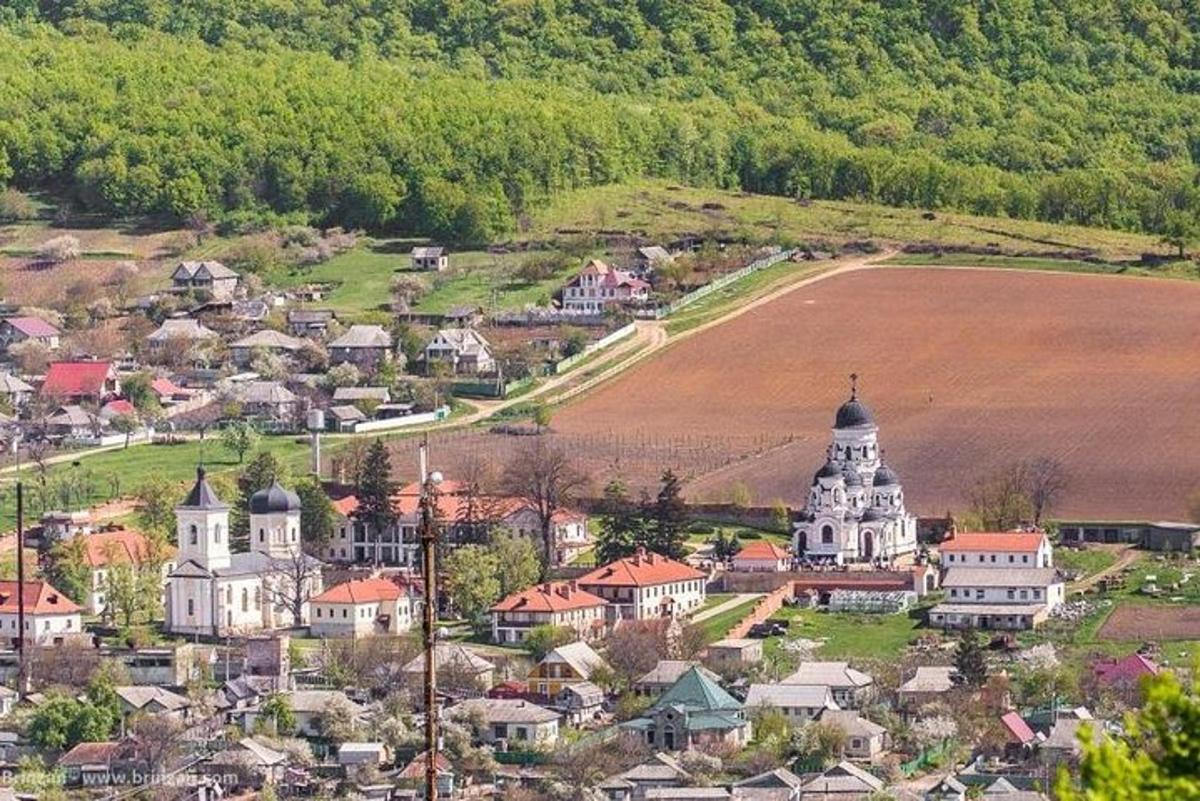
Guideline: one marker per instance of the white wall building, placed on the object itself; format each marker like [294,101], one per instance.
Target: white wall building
[987,598]
[1005,549]
[215,592]
[646,585]
[855,510]
[361,608]
[50,616]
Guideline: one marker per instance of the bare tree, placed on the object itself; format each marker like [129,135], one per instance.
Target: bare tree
[545,479]
[479,507]
[1000,501]
[292,580]
[1048,480]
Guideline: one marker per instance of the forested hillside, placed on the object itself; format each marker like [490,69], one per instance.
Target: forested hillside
[453,117]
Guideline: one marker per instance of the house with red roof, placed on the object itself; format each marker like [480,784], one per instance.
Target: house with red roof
[646,585]
[1124,673]
[1018,736]
[28,329]
[72,382]
[558,603]
[1002,549]
[361,608]
[599,286]
[762,556]
[50,616]
[122,546]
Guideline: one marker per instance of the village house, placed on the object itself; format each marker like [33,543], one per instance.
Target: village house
[15,391]
[364,346]
[851,689]
[267,400]
[152,700]
[179,330]
[990,598]
[598,287]
[930,683]
[550,604]
[268,340]
[309,707]
[762,556]
[663,676]
[361,608]
[211,277]
[50,616]
[1003,550]
[648,258]
[463,351]
[510,720]
[646,585]
[343,419]
[1019,738]
[412,777]
[733,653]
[96,764]
[568,664]
[571,536]
[353,395]
[449,656]
[865,740]
[213,591]
[845,781]
[249,755]
[433,259]
[694,712]
[579,703]
[14,330]
[104,549]
[73,422]
[799,703]
[363,753]
[779,784]
[1125,673]
[312,323]
[76,382]
[660,771]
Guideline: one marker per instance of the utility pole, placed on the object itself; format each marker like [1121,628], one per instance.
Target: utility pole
[429,482]
[21,680]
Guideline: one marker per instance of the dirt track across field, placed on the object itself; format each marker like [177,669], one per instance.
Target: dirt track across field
[966,370]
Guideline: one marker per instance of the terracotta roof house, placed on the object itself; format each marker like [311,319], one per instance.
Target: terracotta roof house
[646,585]
[693,712]
[599,286]
[50,616]
[1017,734]
[1124,672]
[361,608]
[94,764]
[568,664]
[413,775]
[560,603]
[1004,549]
[212,277]
[762,556]
[103,549]
[79,381]
[26,329]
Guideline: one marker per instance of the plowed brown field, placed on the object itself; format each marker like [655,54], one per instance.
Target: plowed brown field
[1141,622]
[966,370]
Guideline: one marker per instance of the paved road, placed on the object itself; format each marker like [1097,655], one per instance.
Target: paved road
[725,606]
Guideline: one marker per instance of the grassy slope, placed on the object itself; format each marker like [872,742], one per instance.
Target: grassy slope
[715,627]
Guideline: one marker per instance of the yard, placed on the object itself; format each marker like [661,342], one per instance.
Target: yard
[1088,561]
[849,636]
[717,626]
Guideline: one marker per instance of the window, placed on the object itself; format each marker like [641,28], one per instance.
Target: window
[318,611]
[979,595]
[245,600]
[1011,593]
[953,593]
[498,731]
[827,534]
[1025,558]
[1010,558]
[344,613]
[522,733]
[993,558]
[217,533]
[191,607]
[261,535]
[193,534]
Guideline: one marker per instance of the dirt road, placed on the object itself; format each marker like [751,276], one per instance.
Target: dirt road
[1128,556]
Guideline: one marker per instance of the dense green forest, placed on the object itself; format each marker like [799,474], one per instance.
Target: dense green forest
[453,117]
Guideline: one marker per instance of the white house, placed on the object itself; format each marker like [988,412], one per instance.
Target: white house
[215,592]
[50,616]
[762,556]
[361,608]
[855,510]
[511,720]
[571,537]
[646,585]
[212,277]
[104,549]
[987,598]
[599,286]
[462,350]
[799,703]
[433,259]
[560,603]
[850,688]
[1006,549]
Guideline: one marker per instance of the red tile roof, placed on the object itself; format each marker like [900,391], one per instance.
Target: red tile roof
[122,545]
[90,754]
[73,379]
[642,569]
[557,596]
[1129,669]
[361,591]
[346,506]
[1018,730]
[761,549]
[118,407]
[416,768]
[997,541]
[165,386]
[33,326]
[40,599]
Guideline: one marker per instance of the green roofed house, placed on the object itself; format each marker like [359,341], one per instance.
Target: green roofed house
[694,711]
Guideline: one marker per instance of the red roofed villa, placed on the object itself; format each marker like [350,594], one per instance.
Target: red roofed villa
[78,381]
[361,608]
[49,615]
[998,549]
[599,286]
[762,556]
[646,585]
[104,549]
[560,603]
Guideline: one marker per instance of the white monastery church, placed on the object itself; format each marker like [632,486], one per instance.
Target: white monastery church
[215,592]
[855,510]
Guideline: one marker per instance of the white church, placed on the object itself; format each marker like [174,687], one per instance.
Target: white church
[855,510]
[215,592]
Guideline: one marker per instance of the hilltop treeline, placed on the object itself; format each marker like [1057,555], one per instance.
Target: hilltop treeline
[454,117]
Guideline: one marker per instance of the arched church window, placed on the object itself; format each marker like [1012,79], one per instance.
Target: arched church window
[217,533]
[193,534]
[293,535]
[229,595]
[847,451]
[245,600]
[257,598]
[827,534]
